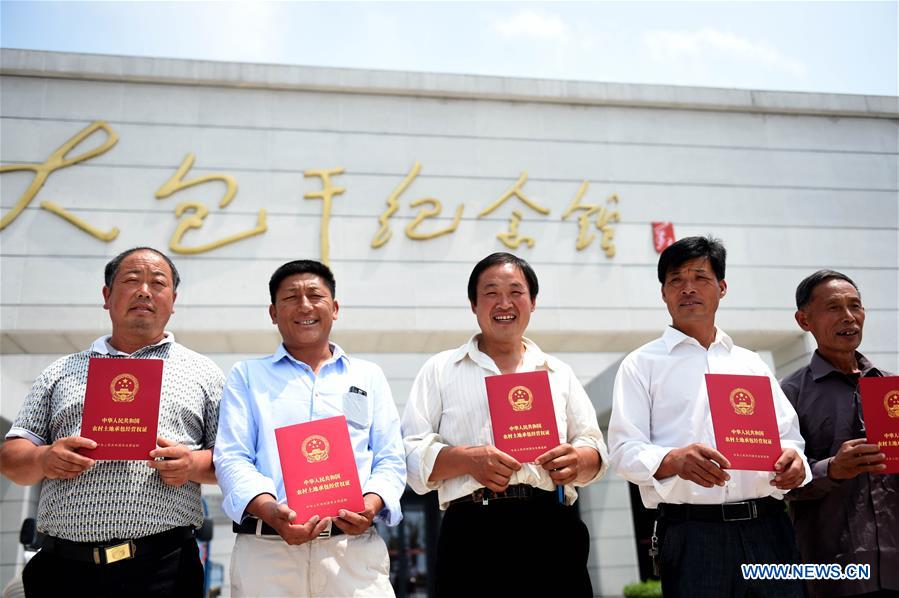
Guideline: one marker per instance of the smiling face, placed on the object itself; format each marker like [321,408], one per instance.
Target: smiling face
[141,299]
[835,316]
[304,311]
[503,304]
[692,292]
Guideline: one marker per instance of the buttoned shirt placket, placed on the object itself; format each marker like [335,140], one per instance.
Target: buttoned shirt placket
[316,579]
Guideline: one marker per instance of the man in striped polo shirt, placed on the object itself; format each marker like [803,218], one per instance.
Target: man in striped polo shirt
[94,513]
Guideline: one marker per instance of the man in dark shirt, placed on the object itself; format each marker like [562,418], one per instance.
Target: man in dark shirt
[849,513]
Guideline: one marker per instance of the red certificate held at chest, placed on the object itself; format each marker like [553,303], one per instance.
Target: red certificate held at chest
[522,414]
[880,406]
[121,407]
[744,420]
[319,468]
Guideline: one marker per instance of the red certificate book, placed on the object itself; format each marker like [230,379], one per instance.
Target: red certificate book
[880,405]
[121,407]
[319,468]
[744,419]
[522,414]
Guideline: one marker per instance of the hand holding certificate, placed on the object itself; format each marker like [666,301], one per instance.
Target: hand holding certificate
[121,407]
[319,468]
[745,424]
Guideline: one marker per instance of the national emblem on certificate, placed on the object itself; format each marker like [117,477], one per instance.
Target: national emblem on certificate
[319,468]
[745,424]
[522,414]
[121,407]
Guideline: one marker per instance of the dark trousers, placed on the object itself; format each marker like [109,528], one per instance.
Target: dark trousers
[177,572]
[702,558]
[513,547]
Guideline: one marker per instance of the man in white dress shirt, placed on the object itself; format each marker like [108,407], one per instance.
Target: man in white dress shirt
[505,529]
[711,519]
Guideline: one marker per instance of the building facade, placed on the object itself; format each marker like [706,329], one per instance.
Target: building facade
[401,182]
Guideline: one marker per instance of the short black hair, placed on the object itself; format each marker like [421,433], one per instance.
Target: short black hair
[112,268]
[690,248]
[502,257]
[807,286]
[302,267]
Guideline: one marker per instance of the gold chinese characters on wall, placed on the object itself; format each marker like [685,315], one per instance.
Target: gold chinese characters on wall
[191,215]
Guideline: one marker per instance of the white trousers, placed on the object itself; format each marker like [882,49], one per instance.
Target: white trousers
[263,566]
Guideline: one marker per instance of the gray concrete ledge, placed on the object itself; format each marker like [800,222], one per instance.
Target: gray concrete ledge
[32,63]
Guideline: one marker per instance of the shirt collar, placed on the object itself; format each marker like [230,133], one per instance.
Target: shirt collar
[534,357]
[673,337]
[820,367]
[102,346]
[337,354]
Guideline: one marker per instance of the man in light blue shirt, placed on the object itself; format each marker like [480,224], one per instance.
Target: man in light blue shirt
[307,378]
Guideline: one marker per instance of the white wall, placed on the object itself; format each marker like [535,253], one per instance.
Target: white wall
[790,182]
[788,193]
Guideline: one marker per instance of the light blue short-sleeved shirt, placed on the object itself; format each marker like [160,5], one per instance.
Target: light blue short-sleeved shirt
[276,391]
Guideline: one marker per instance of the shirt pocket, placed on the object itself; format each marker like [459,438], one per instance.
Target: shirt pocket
[356,410]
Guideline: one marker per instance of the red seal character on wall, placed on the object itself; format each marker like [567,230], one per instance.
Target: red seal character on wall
[662,235]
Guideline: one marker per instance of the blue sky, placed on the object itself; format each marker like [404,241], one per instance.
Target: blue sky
[836,47]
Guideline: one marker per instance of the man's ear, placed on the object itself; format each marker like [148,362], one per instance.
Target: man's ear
[722,284]
[336,309]
[106,292]
[473,307]
[802,320]
[273,313]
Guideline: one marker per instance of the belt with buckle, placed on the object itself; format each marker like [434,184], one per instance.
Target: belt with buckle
[106,553]
[729,511]
[254,526]
[519,491]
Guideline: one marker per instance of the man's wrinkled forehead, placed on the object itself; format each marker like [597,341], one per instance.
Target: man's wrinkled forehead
[490,277]
[492,283]
[303,280]
[140,261]
[699,265]
[834,289]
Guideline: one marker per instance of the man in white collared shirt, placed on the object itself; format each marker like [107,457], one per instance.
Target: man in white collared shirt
[661,438]
[501,516]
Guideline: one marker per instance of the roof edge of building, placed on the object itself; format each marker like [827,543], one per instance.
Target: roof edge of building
[173,71]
